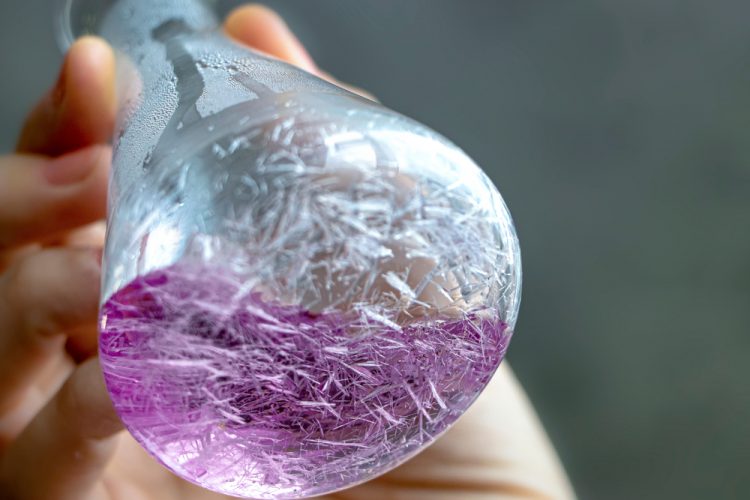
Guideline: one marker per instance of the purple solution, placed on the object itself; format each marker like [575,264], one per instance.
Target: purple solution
[239,393]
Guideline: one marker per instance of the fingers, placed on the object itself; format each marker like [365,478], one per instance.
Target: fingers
[264,30]
[42,297]
[80,109]
[88,236]
[61,454]
[43,197]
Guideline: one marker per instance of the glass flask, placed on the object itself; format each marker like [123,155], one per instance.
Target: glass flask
[301,288]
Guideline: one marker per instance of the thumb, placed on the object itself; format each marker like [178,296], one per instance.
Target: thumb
[80,110]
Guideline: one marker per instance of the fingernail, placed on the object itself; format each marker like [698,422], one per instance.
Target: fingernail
[75,167]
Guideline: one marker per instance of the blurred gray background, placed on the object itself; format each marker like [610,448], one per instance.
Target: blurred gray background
[618,133]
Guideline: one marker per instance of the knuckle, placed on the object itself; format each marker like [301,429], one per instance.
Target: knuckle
[20,279]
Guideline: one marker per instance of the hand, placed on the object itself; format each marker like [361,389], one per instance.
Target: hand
[59,435]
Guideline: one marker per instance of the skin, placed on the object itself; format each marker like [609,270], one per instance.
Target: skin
[55,414]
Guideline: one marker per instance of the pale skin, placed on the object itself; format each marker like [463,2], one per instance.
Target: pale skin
[60,438]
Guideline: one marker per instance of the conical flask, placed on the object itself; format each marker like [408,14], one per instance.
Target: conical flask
[302,289]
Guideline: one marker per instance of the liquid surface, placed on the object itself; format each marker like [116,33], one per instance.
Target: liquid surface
[254,398]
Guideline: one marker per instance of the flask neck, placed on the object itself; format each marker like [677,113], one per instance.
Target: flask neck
[123,23]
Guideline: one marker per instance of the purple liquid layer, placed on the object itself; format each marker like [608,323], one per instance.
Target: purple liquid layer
[253,398]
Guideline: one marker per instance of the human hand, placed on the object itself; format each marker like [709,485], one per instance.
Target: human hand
[59,435]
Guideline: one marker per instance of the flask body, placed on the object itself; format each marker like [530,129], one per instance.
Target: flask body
[302,289]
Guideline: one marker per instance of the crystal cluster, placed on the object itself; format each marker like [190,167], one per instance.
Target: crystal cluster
[244,394]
